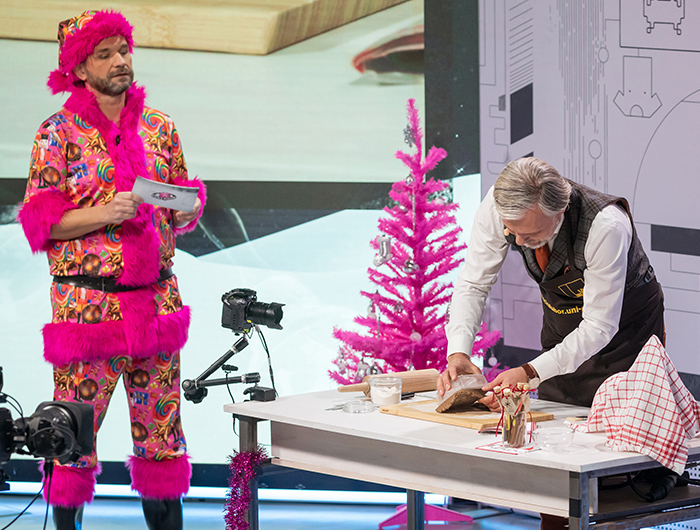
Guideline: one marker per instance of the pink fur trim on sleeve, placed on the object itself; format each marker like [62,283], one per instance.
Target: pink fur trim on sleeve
[71,487]
[202,194]
[39,214]
[164,479]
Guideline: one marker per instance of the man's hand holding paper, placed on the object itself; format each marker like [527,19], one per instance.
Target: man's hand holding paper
[181,218]
[179,198]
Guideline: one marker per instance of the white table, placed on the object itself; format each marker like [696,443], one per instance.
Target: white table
[422,456]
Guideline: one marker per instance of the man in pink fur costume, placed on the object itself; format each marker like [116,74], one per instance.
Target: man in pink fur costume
[115,301]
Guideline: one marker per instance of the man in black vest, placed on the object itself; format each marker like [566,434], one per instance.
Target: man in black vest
[599,293]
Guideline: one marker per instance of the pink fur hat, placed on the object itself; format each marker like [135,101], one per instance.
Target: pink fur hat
[77,39]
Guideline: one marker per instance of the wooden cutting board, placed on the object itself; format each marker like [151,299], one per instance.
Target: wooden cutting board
[471,419]
[255,27]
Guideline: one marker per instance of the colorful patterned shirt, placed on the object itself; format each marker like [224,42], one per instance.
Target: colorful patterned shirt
[71,156]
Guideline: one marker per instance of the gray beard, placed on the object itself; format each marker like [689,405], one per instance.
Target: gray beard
[535,247]
[107,87]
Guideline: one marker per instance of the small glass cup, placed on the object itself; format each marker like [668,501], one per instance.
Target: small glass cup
[555,439]
[385,390]
[359,407]
[515,429]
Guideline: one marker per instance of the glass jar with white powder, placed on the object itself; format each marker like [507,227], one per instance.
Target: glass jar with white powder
[385,390]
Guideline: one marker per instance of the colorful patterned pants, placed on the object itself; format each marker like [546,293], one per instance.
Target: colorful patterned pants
[159,467]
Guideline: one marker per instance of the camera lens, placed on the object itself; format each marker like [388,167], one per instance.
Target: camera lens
[47,431]
[268,315]
[62,430]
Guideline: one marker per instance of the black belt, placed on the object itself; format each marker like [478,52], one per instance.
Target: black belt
[107,284]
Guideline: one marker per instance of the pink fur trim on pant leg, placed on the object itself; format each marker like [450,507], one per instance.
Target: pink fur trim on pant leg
[70,486]
[165,479]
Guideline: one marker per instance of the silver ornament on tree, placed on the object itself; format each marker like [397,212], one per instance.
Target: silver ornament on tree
[363,370]
[410,266]
[372,310]
[375,369]
[408,136]
[384,250]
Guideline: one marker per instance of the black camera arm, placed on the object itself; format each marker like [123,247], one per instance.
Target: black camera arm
[195,390]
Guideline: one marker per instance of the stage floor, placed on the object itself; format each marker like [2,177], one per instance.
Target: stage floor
[109,514]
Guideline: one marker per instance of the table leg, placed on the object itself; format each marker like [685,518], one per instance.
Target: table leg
[579,501]
[248,441]
[415,510]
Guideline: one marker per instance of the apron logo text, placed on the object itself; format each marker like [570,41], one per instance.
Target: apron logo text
[570,311]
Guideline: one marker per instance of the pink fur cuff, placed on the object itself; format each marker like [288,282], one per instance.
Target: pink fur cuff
[164,479]
[39,214]
[201,194]
[70,486]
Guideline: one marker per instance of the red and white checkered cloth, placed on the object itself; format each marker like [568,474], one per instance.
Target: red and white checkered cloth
[647,409]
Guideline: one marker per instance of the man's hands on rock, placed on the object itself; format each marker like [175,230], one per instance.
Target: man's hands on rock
[459,364]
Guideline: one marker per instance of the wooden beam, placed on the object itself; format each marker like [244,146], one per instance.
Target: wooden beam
[256,27]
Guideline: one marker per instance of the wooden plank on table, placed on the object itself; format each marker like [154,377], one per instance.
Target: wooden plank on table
[471,419]
[256,27]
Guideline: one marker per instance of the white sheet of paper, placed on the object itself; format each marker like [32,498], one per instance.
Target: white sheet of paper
[166,195]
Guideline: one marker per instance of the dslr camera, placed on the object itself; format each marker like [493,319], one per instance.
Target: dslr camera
[241,310]
[57,430]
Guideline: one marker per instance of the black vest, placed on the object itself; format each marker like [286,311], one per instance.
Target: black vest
[561,287]
[584,204]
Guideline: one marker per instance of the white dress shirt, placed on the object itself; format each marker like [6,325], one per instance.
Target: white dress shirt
[605,252]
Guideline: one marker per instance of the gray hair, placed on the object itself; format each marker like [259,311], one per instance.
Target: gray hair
[527,182]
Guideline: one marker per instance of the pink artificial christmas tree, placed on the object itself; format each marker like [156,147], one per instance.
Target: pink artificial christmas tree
[404,327]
